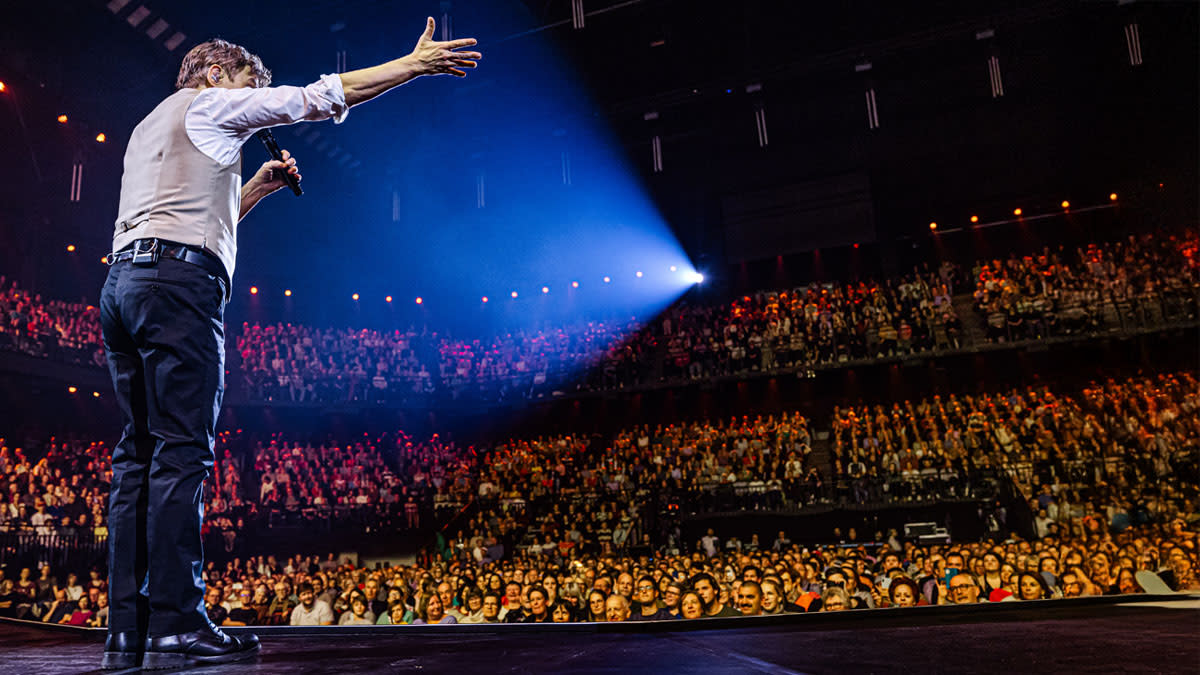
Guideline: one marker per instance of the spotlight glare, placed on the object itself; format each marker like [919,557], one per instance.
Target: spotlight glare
[72,389]
[420,301]
[70,248]
[386,299]
[485,299]
[974,219]
[254,290]
[1112,197]
[514,294]
[354,297]
[607,279]
[1017,211]
[545,289]
[674,268]
[100,138]
[1066,204]
[933,226]
[288,292]
[3,87]
[639,274]
[574,284]
[697,278]
[62,119]
[104,260]
[95,394]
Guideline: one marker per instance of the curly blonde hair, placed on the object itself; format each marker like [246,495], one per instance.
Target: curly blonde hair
[232,59]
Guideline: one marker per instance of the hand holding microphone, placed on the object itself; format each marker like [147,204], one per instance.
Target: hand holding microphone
[290,174]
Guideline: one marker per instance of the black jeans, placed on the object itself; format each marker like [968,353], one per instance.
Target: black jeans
[165,340]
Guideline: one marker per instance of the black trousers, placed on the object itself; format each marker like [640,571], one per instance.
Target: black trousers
[165,340]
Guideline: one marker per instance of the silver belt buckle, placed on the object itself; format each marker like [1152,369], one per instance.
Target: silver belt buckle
[145,252]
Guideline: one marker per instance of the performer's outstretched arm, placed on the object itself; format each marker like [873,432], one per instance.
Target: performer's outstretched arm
[427,58]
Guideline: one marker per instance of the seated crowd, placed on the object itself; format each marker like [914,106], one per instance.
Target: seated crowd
[1122,285]
[753,580]
[30,324]
[1134,283]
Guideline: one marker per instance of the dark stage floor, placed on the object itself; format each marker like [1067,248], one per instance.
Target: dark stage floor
[1052,637]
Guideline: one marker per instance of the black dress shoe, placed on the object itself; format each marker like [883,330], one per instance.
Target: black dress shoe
[202,647]
[123,650]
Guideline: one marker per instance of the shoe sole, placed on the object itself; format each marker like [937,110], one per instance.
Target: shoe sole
[169,661]
[118,661]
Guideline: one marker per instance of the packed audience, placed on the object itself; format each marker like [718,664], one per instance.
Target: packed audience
[709,581]
[1129,284]
[1124,285]
[1138,282]
[32,325]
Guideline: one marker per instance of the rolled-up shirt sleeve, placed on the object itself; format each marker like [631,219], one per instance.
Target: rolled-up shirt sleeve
[220,120]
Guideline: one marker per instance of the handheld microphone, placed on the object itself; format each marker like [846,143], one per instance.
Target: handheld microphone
[268,140]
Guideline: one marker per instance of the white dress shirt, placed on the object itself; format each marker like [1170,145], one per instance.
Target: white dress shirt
[219,121]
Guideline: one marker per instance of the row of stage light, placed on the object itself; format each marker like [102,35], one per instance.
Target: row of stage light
[1019,212]
[696,278]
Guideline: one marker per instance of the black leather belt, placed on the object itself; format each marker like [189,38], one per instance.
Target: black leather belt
[156,249]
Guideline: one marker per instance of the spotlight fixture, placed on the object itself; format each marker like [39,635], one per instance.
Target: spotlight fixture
[386,299]
[62,119]
[70,248]
[100,138]
[514,294]
[354,297]
[485,299]
[95,394]
[574,284]
[933,226]
[1112,197]
[639,274]
[288,293]
[72,389]
[1017,211]
[420,301]
[698,278]
[974,219]
[1066,204]
[254,290]
[545,289]
[673,268]
[607,279]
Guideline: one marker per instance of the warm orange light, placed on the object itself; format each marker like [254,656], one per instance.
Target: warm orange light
[3,87]
[974,219]
[100,138]
[62,119]
[254,290]
[1016,211]
[72,389]
[104,260]
[70,248]
[355,297]
[1112,197]
[95,394]
[287,292]
[1066,204]
[420,301]
[933,226]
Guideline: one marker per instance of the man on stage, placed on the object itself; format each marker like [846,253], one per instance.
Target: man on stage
[162,310]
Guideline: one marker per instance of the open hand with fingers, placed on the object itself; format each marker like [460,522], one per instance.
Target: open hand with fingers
[437,58]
